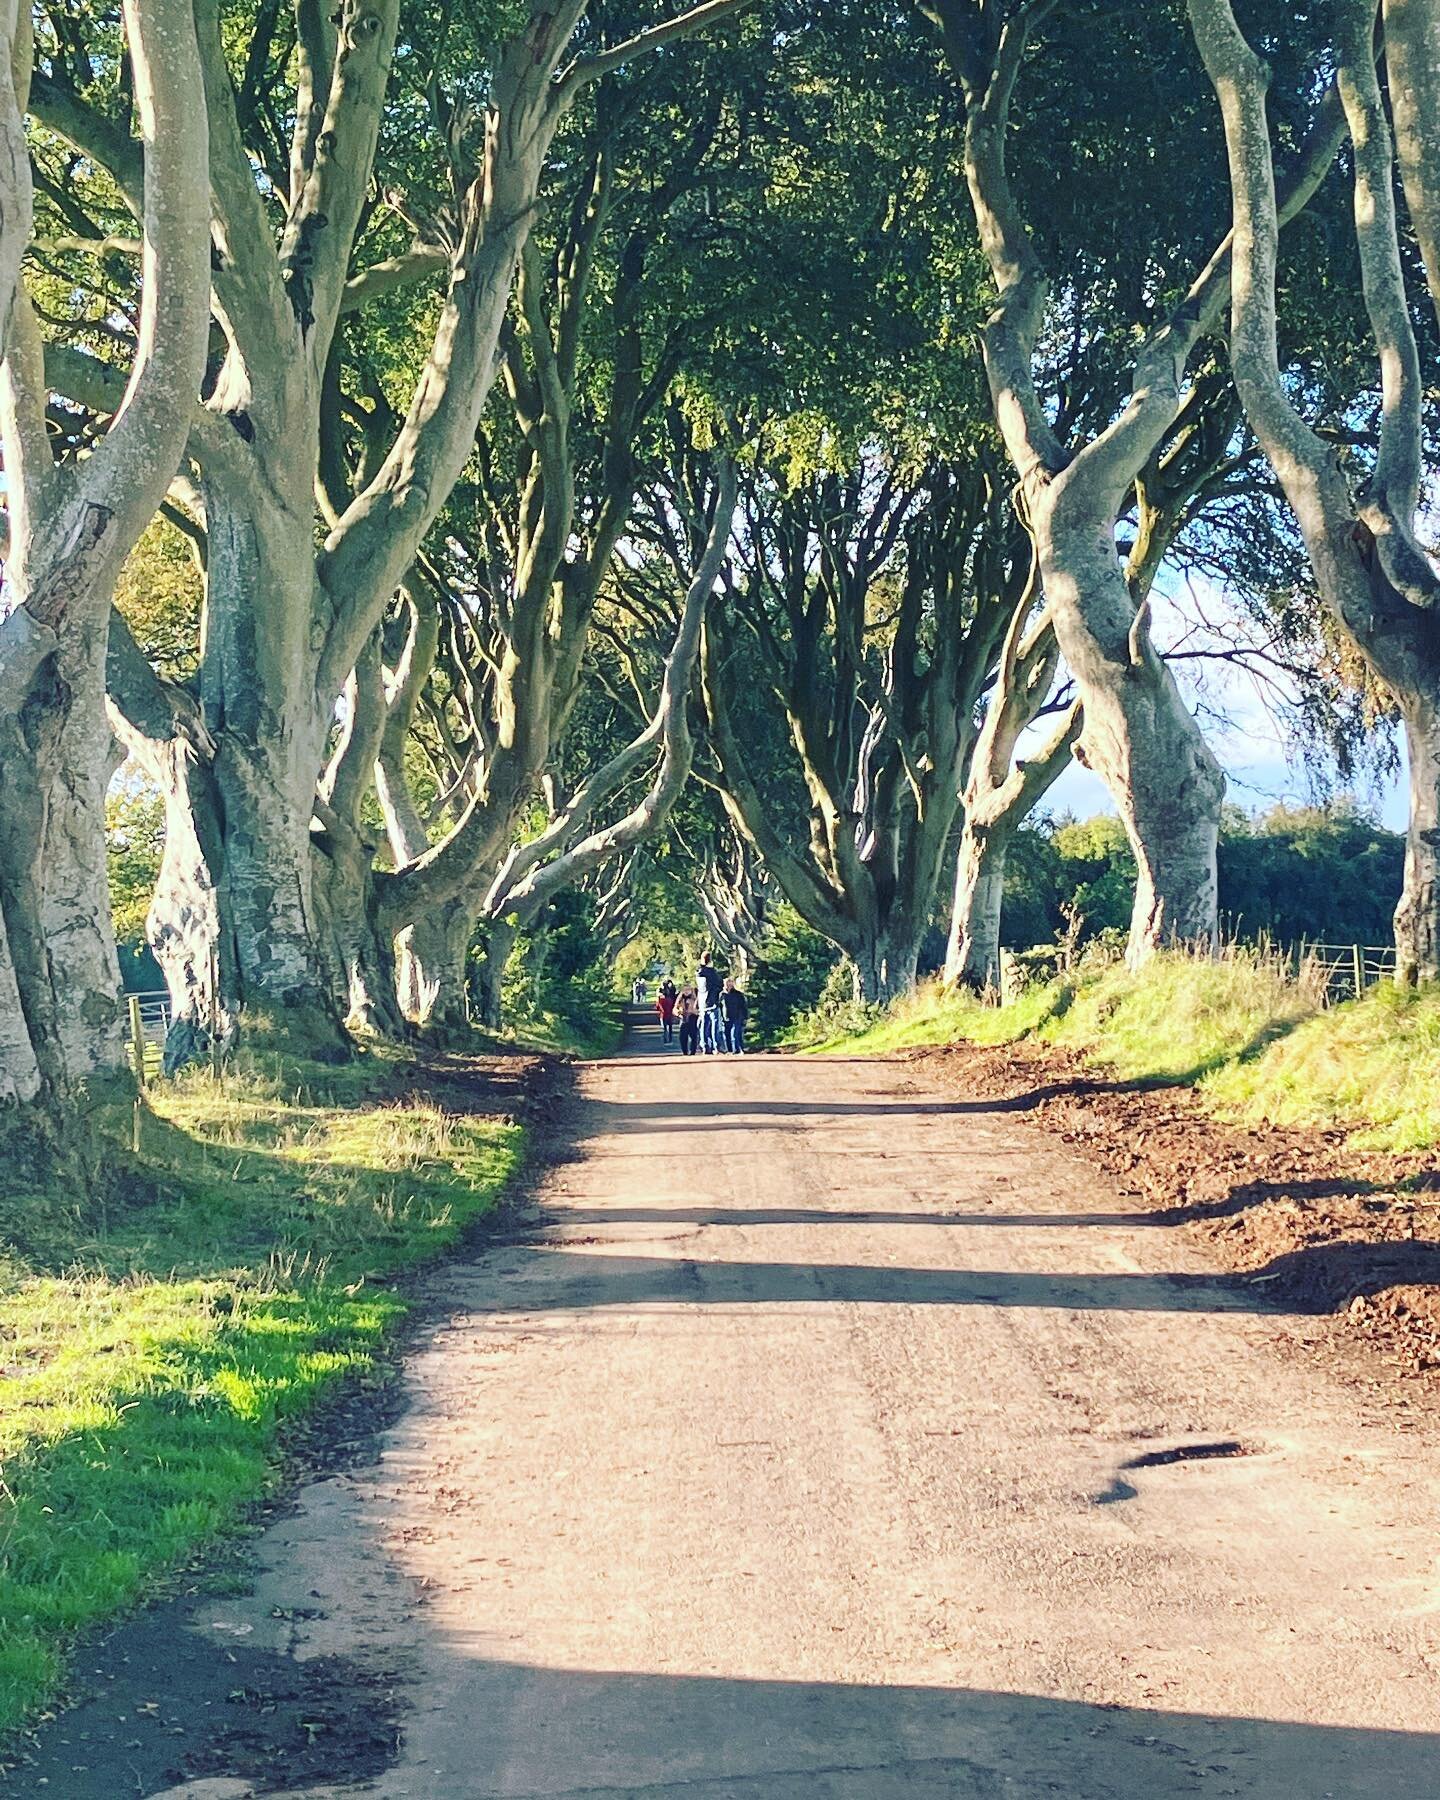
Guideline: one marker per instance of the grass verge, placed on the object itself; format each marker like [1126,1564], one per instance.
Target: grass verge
[594,1035]
[1257,1044]
[154,1345]
[1374,1066]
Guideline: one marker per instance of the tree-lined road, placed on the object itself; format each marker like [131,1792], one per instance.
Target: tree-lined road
[825,1436]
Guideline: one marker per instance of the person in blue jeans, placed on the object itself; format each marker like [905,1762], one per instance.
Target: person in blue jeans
[736,1009]
[712,1023]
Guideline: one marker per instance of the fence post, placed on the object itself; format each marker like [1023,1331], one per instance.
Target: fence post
[1359,970]
[137,1039]
[215,1015]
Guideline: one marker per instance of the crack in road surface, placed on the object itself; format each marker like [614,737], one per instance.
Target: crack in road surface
[799,1502]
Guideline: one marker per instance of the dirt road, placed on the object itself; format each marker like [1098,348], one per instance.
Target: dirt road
[827,1437]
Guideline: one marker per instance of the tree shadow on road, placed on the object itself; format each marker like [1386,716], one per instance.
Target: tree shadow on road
[616,1736]
[583,1274]
[494,1730]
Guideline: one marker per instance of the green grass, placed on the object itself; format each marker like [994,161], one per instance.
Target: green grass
[1257,1044]
[595,1035]
[931,1016]
[1182,1016]
[1375,1066]
[153,1345]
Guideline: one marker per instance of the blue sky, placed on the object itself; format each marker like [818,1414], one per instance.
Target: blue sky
[1260,766]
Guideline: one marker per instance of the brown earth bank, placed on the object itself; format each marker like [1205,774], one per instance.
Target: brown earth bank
[1328,1228]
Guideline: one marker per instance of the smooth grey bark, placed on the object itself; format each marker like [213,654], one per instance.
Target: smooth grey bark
[887,961]
[356,953]
[1001,793]
[20,1075]
[1138,736]
[1412,58]
[16,186]
[431,955]
[70,528]
[1372,572]
[499,948]
[284,625]
[972,954]
[1417,916]
[160,724]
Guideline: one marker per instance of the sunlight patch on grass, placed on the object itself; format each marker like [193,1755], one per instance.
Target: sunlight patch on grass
[932,1015]
[1258,1044]
[1374,1064]
[1182,1016]
[148,1360]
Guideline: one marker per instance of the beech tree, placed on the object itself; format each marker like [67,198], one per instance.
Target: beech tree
[880,681]
[70,524]
[285,623]
[1138,734]
[573,845]
[1372,570]
[588,359]
[1002,790]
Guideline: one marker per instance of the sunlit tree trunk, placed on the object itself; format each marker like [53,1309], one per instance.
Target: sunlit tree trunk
[1372,570]
[71,526]
[1139,736]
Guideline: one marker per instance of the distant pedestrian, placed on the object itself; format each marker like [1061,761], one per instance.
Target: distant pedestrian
[687,1008]
[665,1006]
[637,991]
[736,1009]
[708,988]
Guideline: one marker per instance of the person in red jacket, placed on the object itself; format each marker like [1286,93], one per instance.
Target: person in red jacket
[665,1006]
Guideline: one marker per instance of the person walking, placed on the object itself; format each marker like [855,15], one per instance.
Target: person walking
[707,988]
[687,1006]
[665,1006]
[736,1009]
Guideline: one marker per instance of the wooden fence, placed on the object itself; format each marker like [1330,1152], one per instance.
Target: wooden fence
[149,1020]
[1346,969]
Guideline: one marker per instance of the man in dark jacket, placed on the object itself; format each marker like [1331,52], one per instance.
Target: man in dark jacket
[736,1009]
[707,988]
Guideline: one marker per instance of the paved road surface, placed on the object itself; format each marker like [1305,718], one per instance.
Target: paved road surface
[832,1439]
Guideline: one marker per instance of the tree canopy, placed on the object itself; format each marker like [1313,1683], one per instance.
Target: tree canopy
[490,464]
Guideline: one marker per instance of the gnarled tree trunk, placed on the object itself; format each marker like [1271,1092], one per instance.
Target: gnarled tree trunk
[71,527]
[432,958]
[1417,917]
[1139,736]
[499,948]
[886,959]
[1372,571]
[972,955]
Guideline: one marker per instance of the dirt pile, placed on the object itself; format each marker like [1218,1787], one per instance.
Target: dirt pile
[1331,1229]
